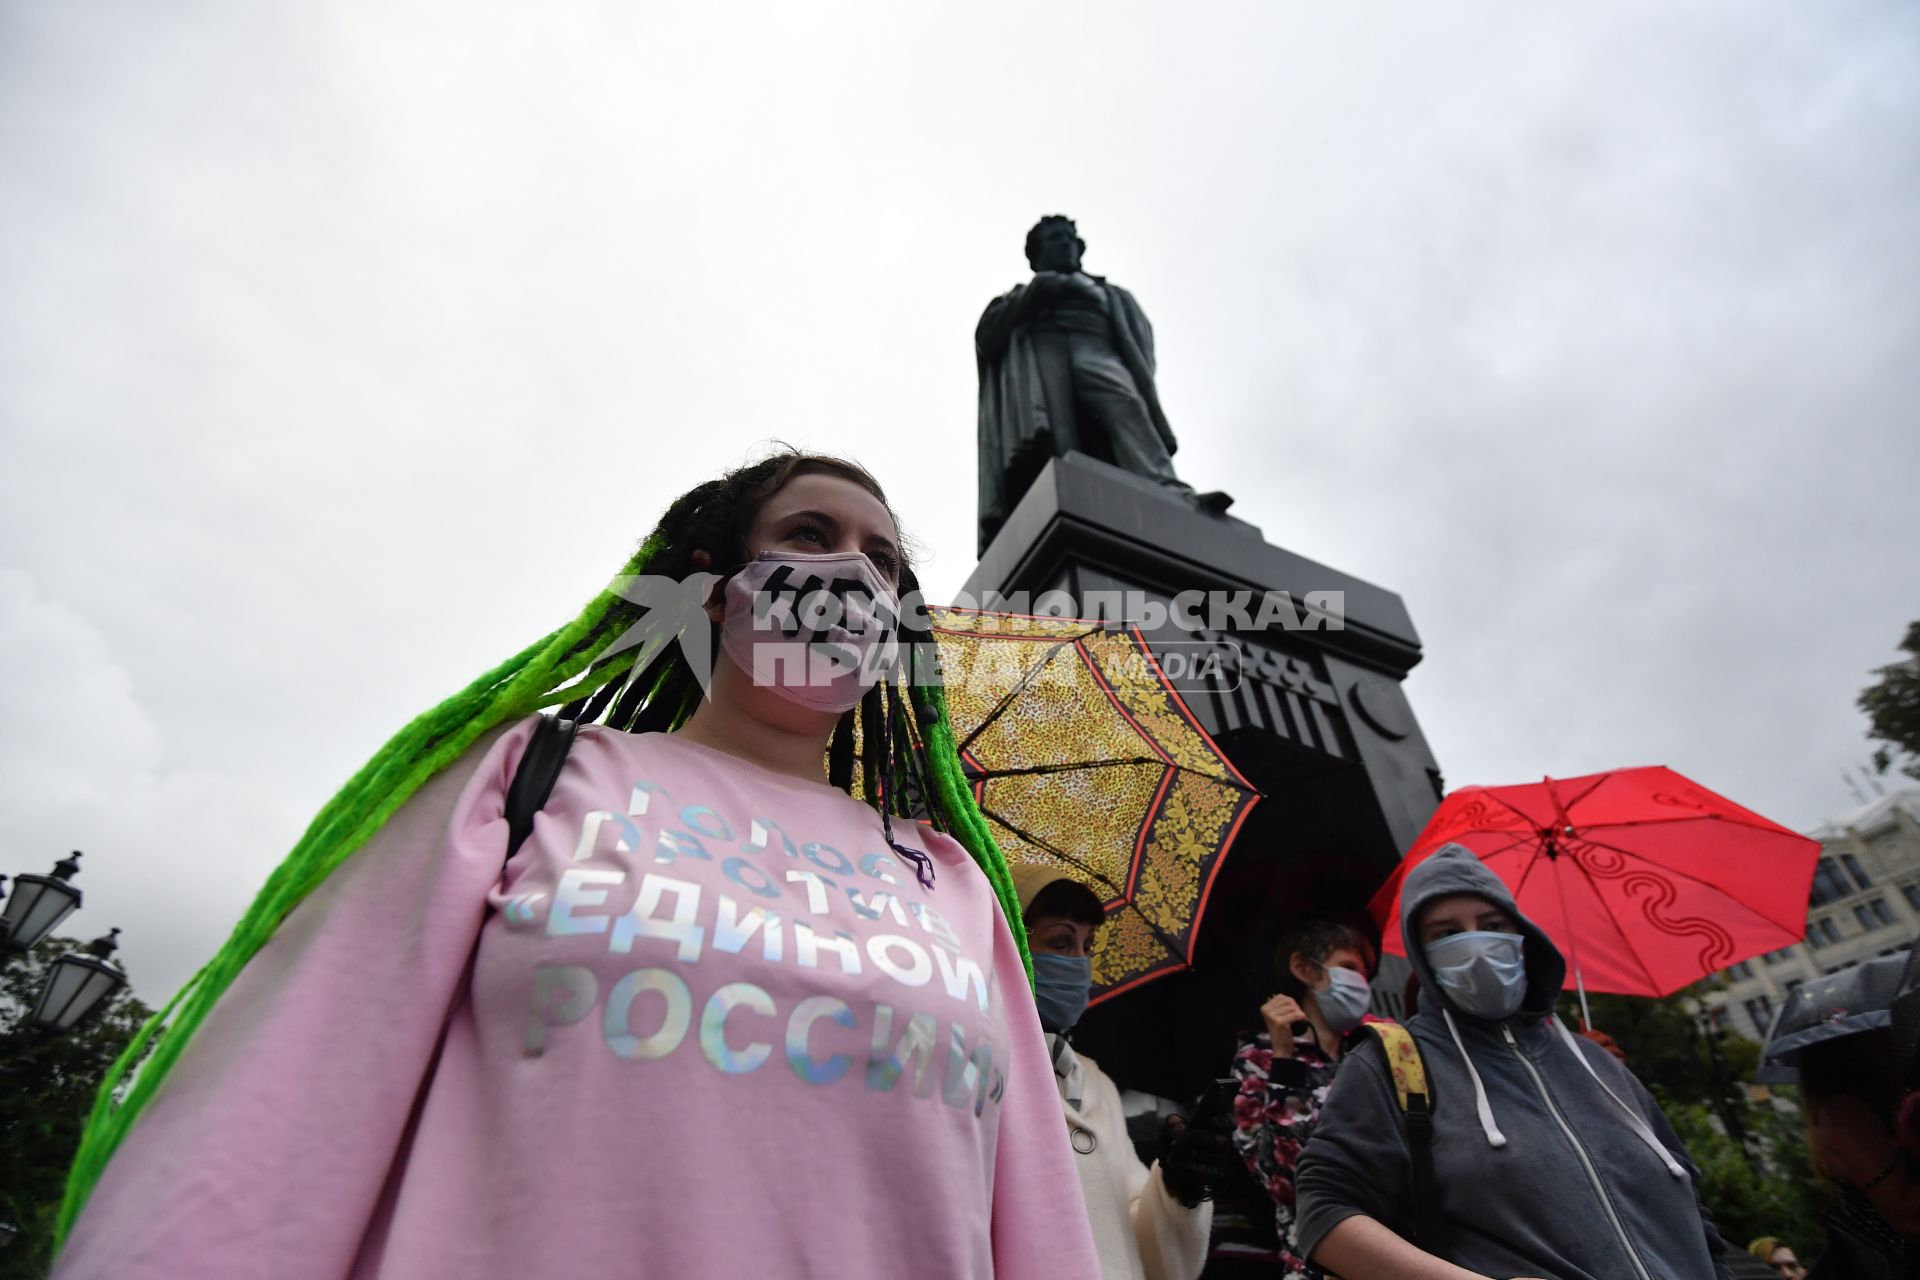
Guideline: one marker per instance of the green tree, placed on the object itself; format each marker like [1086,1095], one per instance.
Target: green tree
[47,1085]
[1771,1194]
[1893,708]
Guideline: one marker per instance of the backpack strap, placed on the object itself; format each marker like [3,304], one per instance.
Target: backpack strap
[1410,1086]
[533,780]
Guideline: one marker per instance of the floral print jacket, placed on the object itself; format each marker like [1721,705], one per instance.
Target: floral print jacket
[1273,1116]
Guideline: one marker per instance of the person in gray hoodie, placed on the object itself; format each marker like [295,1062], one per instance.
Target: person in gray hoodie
[1548,1158]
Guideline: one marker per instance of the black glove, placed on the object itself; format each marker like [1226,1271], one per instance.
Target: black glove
[1198,1161]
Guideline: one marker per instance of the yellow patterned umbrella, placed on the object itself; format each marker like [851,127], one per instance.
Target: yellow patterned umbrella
[1083,757]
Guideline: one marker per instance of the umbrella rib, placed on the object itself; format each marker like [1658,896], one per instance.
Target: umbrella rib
[1516,810]
[1030,769]
[1567,808]
[1705,884]
[1520,888]
[1186,715]
[1078,864]
[1771,827]
[1157,762]
[1513,843]
[1020,685]
[1173,947]
[1606,914]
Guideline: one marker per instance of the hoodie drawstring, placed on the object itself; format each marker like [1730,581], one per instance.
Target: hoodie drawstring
[1494,1137]
[1635,1120]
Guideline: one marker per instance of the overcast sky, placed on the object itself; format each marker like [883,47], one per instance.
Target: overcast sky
[345,348]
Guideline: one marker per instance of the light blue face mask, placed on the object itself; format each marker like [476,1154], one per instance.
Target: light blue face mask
[1483,975]
[1345,1000]
[1061,985]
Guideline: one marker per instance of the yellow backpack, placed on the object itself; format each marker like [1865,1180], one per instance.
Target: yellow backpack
[1410,1086]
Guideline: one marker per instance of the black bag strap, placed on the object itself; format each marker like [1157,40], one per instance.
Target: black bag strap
[533,780]
[1411,1084]
[1430,1225]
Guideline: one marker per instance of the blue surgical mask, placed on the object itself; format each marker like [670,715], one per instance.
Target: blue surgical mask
[1061,985]
[1483,975]
[1344,1003]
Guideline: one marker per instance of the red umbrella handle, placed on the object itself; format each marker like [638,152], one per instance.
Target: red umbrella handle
[1573,941]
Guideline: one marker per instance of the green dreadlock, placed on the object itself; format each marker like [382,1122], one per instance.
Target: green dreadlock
[902,753]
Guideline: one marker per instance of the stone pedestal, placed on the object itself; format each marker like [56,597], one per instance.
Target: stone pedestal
[1313,715]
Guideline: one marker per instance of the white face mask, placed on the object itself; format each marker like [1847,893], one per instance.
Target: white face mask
[818,630]
[1345,1001]
[1484,975]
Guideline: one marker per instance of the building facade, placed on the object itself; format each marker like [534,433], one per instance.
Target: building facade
[1865,903]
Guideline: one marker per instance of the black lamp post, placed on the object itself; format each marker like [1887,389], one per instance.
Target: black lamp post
[38,903]
[78,984]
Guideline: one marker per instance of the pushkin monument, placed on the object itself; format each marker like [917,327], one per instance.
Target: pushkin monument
[1077,494]
[1066,366]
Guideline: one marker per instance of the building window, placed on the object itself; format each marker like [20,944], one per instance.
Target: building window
[1827,884]
[1881,911]
[1853,869]
[1742,970]
[1866,921]
[1913,895]
[1760,1014]
[1829,929]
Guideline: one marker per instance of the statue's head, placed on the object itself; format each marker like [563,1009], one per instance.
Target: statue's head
[1054,244]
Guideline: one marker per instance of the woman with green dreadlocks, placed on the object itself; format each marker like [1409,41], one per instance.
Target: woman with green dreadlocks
[715,1016]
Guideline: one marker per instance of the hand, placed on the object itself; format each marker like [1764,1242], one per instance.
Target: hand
[1046,284]
[1081,283]
[1606,1042]
[1197,1164]
[1280,1013]
[1040,294]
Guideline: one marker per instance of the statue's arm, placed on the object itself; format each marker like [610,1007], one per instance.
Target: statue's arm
[1142,328]
[995,330]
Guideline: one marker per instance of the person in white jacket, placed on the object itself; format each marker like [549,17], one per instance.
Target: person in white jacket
[1148,1223]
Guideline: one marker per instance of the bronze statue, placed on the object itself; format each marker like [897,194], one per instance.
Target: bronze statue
[1066,363]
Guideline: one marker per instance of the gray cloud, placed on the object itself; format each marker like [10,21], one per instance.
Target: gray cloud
[345,350]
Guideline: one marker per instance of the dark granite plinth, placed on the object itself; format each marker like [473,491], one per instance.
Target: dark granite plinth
[1315,718]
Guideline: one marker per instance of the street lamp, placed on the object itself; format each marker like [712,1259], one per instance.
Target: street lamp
[39,903]
[78,984]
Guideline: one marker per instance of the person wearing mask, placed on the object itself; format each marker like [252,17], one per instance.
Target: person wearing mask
[1544,1156]
[1779,1257]
[686,1024]
[1850,1091]
[1148,1223]
[1322,983]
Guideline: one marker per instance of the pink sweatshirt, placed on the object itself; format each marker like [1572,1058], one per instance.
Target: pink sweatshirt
[705,1024]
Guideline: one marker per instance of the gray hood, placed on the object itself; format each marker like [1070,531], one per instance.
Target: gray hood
[1457,869]
[1518,1104]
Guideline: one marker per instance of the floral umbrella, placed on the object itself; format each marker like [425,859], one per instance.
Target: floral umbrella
[1083,756]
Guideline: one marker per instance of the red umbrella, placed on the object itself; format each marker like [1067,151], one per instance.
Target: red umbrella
[1648,881]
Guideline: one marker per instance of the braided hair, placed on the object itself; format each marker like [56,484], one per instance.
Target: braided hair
[897,748]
